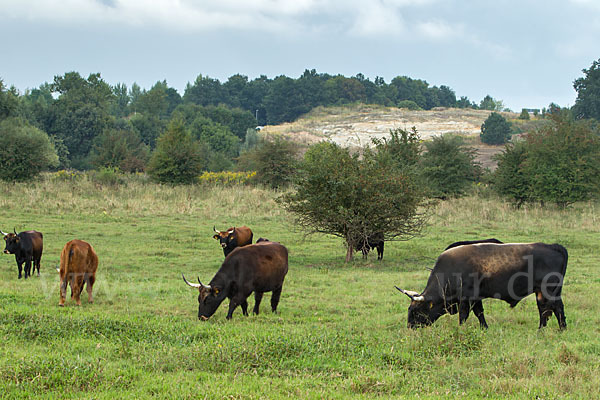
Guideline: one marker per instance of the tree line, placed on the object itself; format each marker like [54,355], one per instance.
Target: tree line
[91,123]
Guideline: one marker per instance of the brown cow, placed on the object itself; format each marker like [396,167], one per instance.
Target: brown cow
[257,268]
[233,237]
[78,264]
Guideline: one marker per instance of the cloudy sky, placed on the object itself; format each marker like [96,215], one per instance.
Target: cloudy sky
[526,53]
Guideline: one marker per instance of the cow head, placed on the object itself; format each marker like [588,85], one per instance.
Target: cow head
[209,298]
[422,311]
[12,242]
[227,238]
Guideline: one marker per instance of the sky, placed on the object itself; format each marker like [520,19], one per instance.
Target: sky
[526,53]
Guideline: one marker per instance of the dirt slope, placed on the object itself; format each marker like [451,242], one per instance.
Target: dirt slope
[355,126]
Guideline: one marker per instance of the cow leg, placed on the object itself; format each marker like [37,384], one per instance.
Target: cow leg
[27,267]
[544,309]
[257,299]
[244,306]
[63,292]
[20,266]
[275,299]
[464,308]
[559,310]
[89,285]
[478,311]
[36,263]
[78,280]
[236,300]
[232,306]
[380,251]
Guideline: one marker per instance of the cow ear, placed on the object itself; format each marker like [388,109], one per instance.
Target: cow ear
[215,236]
[430,304]
[216,291]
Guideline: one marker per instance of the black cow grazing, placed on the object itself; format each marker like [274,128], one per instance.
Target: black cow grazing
[257,268]
[465,242]
[464,275]
[27,247]
[371,242]
[233,237]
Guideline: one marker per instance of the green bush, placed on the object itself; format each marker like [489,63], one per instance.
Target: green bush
[108,176]
[524,114]
[404,147]
[563,161]
[448,167]
[25,151]
[495,130]
[408,104]
[120,148]
[178,158]
[560,163]
[509,179]
[274,161]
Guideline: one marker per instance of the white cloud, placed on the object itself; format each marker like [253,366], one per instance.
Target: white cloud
[439,30]
[358,17]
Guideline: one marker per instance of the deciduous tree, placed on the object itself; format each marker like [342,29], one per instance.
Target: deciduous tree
[341,194]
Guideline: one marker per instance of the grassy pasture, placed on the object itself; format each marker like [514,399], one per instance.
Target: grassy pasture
[340,331]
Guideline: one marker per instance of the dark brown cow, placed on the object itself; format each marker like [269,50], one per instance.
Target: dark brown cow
[257,268]
[233,237]
[27,247]
[78,265]
[375,241]
[465,275]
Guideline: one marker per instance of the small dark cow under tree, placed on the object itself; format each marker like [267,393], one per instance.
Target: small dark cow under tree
[78,265]
[466,274]
[27,247]
[233,237]
[257,268]
[374,241]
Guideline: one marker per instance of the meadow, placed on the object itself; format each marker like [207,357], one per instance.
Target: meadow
[340,331]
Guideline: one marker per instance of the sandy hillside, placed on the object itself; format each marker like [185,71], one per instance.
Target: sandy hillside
[355,126]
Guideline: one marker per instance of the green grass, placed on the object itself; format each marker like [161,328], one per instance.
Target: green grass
[341,328]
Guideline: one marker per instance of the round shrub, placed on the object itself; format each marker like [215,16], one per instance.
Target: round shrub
[25,151]
[495,129]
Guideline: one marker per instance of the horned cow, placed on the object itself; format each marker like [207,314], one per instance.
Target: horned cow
[27,247]
[233,237]
[257,268]
[466,274]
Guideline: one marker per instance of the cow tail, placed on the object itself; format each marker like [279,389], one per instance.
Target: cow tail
[68,263]
[563,251]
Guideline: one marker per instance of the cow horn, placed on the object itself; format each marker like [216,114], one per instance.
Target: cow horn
[215,229]
[207,287]
[414,296]
[231,231]
[194,285]
[3,233]
[15,230]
